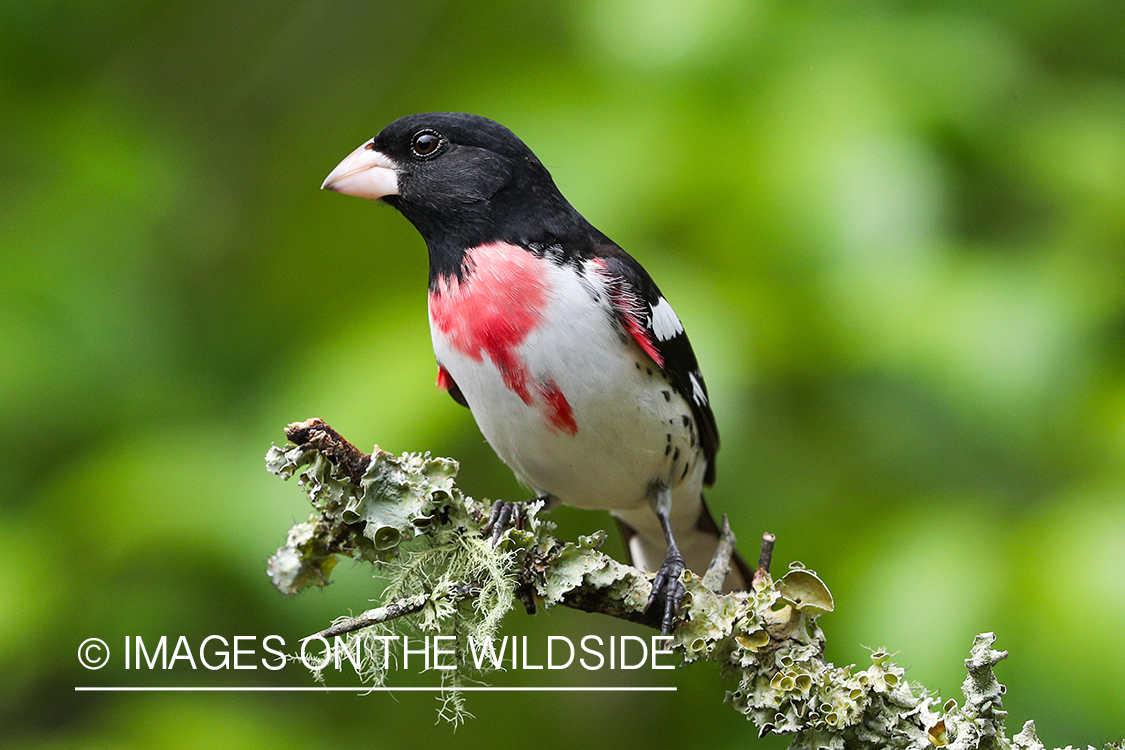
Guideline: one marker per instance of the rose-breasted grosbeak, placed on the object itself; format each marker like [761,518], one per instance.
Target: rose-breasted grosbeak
[575,366]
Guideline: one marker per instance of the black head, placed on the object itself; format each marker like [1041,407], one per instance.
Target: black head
[461,180]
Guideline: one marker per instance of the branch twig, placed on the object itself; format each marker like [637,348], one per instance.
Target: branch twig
[720,562]
[316,434]
[372,617]
[377,615]
[765,558]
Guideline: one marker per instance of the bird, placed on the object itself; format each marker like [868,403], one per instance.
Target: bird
[575,367]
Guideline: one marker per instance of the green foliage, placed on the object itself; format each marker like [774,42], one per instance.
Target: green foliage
[894,232]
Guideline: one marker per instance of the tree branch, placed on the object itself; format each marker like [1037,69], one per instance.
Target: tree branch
[315,434]
[720,561]
[405,515]
[766,556]
[392,611]
[375,616]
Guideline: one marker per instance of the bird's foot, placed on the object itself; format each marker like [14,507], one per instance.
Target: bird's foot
[668,586]
[501,517]
[510,515]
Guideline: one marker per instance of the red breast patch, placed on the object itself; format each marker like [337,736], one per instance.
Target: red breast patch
[491,311]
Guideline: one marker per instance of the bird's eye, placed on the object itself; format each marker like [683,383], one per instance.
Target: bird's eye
[426,143]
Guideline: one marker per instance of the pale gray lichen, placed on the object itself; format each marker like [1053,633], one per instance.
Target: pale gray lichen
[304,560]
[324,483]
[1026,739]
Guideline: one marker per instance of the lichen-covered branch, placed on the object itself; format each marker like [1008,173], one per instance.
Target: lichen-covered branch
[405,515]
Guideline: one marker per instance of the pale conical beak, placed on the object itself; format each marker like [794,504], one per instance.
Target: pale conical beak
[364,173]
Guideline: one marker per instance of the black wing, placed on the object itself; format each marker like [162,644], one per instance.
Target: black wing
[646,315]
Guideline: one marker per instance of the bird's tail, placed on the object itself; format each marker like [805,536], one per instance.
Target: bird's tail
[696,534]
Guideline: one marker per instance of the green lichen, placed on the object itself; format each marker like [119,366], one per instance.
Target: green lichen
[980,723]
[325,484]
[805,591]
[573,565]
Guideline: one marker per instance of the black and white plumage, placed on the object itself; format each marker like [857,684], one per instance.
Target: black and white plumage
[576,368]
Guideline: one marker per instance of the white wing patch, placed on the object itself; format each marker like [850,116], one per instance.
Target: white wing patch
[697,390]
[665,324]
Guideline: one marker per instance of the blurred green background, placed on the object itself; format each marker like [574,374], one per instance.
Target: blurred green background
[895,231]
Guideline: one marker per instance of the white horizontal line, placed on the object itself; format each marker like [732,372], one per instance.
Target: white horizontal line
[382,689]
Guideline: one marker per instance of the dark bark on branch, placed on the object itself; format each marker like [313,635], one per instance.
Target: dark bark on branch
[765,558]
[316,434]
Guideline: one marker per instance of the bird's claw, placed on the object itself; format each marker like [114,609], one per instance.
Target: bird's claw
[501,517]
[668,586]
